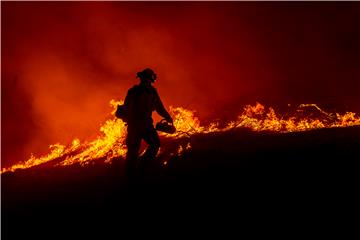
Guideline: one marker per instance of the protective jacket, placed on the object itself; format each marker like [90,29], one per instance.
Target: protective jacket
[141,100]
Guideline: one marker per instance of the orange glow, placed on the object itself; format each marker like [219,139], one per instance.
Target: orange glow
[111,142]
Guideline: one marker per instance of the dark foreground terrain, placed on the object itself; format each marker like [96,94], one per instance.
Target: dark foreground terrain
[225,177]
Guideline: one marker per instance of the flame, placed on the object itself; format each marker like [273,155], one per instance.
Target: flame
[182,149]
[111,143]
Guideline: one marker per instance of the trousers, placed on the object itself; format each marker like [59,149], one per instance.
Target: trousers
[133,143]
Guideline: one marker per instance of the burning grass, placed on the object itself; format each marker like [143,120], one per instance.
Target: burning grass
[110,143]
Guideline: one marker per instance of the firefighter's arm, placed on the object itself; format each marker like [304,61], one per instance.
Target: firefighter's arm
[160,109]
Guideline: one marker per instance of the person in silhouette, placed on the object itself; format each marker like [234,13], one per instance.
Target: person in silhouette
[141,100]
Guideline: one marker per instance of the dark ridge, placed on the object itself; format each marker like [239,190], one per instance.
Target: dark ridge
[238,171]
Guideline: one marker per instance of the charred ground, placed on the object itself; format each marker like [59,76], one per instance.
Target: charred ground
[223,172]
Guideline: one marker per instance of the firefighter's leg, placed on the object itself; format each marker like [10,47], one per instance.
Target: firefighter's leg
[133,141]
[152,138]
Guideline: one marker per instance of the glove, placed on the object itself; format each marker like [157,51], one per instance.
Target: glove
[170,120]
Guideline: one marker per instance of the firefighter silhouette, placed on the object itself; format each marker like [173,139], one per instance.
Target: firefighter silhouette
[141,100]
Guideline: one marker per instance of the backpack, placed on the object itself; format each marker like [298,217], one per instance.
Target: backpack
[120,113]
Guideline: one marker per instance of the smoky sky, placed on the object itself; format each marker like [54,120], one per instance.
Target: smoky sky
[63,62]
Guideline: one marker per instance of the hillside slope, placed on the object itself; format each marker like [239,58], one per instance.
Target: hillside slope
[222,170]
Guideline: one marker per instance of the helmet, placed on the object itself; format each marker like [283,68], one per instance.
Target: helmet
[147,73]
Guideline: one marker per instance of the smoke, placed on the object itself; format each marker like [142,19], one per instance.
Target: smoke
[63,62]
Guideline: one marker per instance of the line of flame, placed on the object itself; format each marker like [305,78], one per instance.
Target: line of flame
[111,143]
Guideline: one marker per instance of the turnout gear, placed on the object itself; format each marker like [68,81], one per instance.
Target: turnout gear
[141,100]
